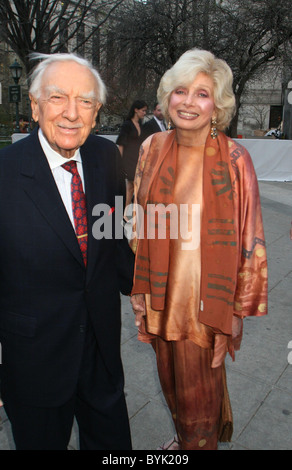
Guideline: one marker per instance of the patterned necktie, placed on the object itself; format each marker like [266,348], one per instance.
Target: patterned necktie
[78,207]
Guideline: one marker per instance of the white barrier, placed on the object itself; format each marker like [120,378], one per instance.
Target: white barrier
[113,138]
[17,136]
[272,158]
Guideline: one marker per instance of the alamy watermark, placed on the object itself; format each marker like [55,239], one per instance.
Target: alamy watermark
[290,353]
[156,221]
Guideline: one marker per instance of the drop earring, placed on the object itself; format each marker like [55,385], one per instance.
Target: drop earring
[169,126]
[213,128]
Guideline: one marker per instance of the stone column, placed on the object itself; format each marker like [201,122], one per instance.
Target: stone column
[287,112]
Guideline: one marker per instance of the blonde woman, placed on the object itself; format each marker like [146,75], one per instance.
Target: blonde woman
[191,295]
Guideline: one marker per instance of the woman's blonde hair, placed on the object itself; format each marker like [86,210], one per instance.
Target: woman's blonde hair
[184,72]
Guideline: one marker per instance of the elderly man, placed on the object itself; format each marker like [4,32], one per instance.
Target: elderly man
[59,285]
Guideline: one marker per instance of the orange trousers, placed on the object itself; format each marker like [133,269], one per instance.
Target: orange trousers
[193,391]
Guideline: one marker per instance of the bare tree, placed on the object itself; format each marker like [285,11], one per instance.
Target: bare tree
[248,34]
[49,25]
[259,33]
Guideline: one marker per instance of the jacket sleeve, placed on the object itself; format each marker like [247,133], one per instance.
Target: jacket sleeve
[125,258]
[252,281]
[124,133]
[137,181]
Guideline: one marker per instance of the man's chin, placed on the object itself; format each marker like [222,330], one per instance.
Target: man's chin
[67,151]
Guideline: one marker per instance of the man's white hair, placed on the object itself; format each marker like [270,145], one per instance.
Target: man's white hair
[48,59]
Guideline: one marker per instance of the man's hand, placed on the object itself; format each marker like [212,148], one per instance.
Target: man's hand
[138,305]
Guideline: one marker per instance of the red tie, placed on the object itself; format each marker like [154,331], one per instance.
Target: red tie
[78,207]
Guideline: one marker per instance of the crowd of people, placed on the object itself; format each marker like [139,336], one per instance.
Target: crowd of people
[60,286]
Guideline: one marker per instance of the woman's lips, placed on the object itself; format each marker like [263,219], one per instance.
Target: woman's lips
[187,115]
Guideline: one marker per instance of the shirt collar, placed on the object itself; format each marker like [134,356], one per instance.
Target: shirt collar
[54,158]
[160,123]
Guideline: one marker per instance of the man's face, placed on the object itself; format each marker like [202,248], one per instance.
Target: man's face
[67,108]
[158,113]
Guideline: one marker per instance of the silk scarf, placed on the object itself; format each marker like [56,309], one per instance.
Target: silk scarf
[219,240]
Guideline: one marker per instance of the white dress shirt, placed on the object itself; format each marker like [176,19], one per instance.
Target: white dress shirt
[160,123]
[62,177]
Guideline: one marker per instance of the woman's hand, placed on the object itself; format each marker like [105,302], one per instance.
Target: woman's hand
[237,330]
[221,342]
[220,350]
[138,305]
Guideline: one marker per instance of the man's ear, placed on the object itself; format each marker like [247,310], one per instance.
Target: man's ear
[34,108]
[97,108]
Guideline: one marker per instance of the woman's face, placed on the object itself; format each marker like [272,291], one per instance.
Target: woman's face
[191,108]
[141,113]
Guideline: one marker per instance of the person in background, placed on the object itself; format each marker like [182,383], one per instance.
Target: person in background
[60,285]
[194,286]
[129,141]
[156,124]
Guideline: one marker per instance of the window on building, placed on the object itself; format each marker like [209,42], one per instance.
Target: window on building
[276,113]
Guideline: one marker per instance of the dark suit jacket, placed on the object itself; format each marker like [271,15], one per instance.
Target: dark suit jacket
[150,127]
[46,294]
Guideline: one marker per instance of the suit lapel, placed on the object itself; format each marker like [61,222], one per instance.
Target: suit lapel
[39,184]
